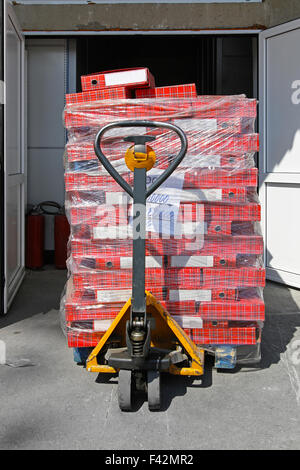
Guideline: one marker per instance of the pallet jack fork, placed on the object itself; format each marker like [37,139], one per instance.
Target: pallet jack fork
[143,340]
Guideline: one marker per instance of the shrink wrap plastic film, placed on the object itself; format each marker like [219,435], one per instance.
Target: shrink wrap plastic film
[203,242]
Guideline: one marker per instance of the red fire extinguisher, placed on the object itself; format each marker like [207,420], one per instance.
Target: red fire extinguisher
[35,235]
[61,232]
[61,237]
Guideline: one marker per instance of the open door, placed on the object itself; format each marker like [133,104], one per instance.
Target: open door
[279,162]
[14,156]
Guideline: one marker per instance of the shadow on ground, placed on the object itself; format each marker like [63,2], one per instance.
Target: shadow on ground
[40,292]
[171,385]
[282,321]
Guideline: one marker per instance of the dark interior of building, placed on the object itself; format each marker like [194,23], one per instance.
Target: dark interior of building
[217,64]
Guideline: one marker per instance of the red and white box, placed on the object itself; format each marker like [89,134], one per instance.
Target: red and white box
[125,262]
[130,78]
[252,309]
[242,309]
[212,336]
[174,278]
[174,91]
[188,195]
[79,339]
[221,106]
[116,93]
[195,178]
[233,336]
[211,284]
[191,211]
[211,246]
[89,297]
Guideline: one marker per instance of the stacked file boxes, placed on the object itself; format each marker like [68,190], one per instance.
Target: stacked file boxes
[203,247]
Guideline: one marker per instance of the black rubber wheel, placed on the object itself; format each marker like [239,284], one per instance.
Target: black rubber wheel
[125,390]
[154,390]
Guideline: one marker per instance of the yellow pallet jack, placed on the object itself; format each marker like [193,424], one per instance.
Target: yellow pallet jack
[143,340]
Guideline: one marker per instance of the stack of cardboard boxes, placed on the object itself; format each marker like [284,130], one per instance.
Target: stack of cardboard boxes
[203,245]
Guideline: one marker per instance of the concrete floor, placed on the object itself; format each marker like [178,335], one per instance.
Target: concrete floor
[55,404]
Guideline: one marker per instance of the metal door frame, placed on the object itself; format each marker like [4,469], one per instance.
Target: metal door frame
[2,97]
[9,12]
[264,177]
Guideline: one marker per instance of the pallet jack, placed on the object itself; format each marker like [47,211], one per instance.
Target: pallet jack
[143,340]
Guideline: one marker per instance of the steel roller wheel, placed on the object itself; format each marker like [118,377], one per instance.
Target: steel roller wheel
[154,390]
[125,390]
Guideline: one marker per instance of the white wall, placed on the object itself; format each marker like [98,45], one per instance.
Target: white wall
[51,74]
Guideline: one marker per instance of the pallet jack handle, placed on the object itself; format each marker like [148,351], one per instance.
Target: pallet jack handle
[140,140]
[141,357]
[139,158]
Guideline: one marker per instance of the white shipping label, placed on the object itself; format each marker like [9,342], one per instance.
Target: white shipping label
[188,322]
[185,195]
[125,131]
[163,204]
[102,325]
[174,182]
[196,124]
[201,161]
[192,261]
[119,165]
[151,262]
[125,77]
[189,229]
[117,295]
[112,232]
[190,294]
[117,197]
